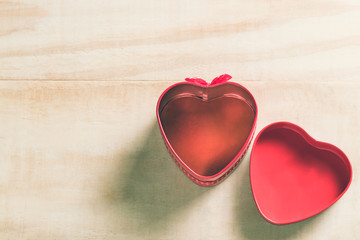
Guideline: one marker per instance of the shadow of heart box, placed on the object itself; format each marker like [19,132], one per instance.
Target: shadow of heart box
[207,129]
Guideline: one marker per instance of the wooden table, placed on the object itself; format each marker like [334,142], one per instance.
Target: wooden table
[81,156]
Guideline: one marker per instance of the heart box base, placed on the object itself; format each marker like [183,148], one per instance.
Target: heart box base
[207,128]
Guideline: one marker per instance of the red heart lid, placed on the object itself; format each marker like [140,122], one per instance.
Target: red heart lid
[293,176]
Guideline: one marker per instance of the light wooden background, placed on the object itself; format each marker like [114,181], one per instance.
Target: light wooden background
[80,153]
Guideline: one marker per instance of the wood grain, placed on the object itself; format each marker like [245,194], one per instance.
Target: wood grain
[85,160]
[170,40]
[81,156]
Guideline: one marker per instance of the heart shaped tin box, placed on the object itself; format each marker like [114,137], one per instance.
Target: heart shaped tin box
[207,129]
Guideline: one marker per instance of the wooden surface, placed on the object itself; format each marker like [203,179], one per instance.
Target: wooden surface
[80,152]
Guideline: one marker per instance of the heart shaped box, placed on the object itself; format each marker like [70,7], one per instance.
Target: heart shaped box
[294,177]
[207,128]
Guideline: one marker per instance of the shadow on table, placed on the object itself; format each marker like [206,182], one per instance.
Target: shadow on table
[152,188]
[249,224]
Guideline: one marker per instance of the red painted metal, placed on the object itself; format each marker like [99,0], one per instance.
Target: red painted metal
[207,128]
[293,176]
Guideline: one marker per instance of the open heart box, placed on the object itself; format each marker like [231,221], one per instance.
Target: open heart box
[207,129]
